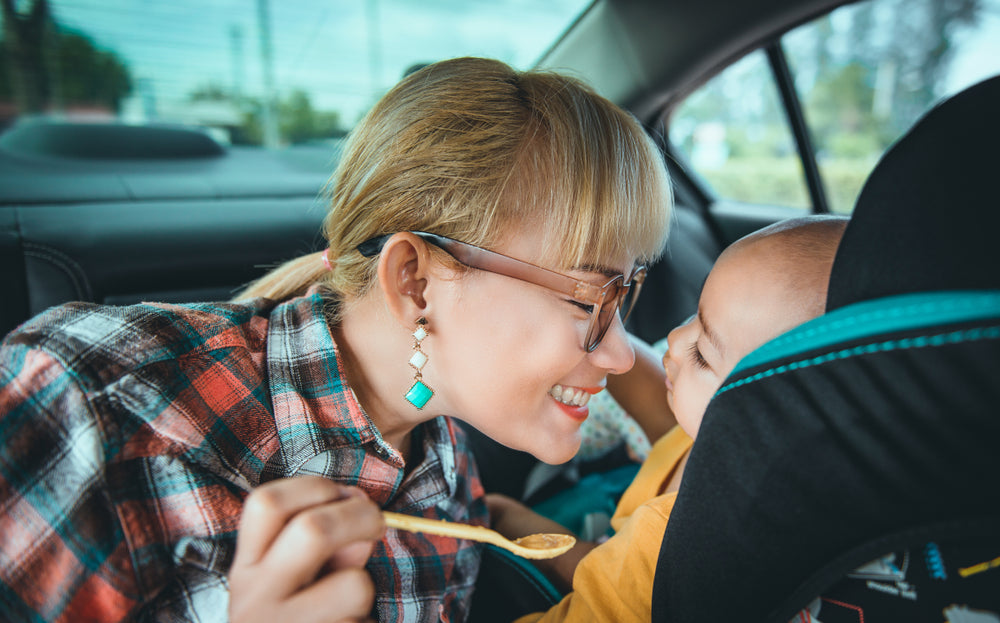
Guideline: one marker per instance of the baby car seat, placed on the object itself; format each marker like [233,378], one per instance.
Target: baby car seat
[849,470]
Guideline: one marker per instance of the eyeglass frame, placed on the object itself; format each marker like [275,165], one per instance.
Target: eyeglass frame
[500,264]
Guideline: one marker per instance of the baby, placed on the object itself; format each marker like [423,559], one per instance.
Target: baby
[760,287]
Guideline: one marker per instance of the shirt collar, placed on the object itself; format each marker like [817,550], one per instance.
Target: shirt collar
[314,409]
[316,413]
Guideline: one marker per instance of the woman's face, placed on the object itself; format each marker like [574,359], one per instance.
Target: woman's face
[503,349]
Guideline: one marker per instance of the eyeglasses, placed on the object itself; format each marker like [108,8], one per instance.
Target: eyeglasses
[617,295]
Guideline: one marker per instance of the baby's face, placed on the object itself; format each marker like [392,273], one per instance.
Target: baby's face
[742,306]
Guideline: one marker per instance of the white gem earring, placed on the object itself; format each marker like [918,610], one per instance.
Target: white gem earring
[419,392]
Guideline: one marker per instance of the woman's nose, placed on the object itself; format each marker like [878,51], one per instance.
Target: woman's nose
[615,353]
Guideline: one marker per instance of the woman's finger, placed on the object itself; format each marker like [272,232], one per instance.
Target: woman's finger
[347,594]
[316,537]
[269,507]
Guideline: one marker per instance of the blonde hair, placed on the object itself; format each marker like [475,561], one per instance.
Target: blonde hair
[469,148]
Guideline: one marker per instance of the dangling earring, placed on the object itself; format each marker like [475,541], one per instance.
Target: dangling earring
[419,393]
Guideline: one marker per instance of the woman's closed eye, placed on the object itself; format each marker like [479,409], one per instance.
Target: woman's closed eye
[696,357]
[584,306]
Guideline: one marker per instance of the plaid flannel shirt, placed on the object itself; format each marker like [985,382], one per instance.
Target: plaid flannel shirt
[130,436]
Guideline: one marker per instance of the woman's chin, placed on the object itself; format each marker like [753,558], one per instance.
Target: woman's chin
[556,454]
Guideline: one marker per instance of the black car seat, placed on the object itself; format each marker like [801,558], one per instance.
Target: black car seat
[868,435]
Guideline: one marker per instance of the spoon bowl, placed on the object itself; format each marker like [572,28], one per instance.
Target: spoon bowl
[533,546]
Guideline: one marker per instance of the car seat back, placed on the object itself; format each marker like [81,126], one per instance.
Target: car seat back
[873,428]
[121,214]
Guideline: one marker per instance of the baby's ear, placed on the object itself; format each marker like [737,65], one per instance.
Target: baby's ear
[402,273]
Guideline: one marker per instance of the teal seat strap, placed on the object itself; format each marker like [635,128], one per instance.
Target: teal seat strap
[869,319]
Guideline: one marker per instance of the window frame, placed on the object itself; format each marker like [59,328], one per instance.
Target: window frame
[782,74]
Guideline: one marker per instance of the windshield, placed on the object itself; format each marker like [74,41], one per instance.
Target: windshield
[252,72]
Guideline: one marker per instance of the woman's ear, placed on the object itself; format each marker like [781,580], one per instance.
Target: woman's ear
[403,269]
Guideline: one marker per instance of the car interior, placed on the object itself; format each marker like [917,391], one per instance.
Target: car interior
[119,213]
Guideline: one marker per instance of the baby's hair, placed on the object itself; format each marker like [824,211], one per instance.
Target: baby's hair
[807,249]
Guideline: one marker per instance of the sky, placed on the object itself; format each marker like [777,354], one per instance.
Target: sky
[345,53]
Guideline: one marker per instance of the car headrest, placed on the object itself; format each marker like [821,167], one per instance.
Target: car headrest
[872,425]
[927,218]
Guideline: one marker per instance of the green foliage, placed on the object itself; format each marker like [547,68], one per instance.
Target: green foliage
[862,81]
[299,122]
[87,75]
[43,66]
[780,181]
[843,179]
[771,181]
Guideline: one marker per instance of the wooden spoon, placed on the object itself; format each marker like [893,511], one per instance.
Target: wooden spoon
[534,546]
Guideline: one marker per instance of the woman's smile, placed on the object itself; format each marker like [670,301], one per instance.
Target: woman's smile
[573,400]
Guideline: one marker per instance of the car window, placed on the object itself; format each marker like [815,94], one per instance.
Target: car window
[251,73]
[734,134]
[862,75]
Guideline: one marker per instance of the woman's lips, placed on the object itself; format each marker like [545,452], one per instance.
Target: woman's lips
[575,413]
[573,400]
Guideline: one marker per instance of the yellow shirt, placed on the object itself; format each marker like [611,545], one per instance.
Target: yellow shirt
[614,582]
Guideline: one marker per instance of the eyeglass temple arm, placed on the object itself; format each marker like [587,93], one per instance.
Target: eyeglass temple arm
[498,263]
[491,261]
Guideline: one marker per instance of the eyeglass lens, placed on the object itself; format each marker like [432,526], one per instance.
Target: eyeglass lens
[618,299]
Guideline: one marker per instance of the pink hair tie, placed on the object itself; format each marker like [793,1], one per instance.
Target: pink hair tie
[326,260]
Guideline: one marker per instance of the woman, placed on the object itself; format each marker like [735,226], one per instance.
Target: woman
[485,225]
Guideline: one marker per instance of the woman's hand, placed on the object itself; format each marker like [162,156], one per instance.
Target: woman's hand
[513,519]
[301,551]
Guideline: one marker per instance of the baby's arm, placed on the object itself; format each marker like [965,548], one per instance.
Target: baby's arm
[513,519]
[642,391]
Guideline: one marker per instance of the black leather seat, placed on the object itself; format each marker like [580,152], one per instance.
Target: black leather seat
[122,214]
[873,429]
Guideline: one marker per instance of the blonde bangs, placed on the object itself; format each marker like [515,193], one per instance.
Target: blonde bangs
[592,181]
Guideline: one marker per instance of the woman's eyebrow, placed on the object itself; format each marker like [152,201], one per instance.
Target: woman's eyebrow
[601,270]
[713,337]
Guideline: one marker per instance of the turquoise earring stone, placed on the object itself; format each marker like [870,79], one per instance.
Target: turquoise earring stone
[419,394]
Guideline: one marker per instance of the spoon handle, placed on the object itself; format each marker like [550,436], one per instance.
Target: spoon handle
[541,545]
[441,528]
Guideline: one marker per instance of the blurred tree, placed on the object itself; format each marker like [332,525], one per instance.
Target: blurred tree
[26,42]
[88,76]
[906,52]
[889,68]
[50,68]
[299,122]
[211,93]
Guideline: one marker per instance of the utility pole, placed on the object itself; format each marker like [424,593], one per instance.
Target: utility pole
[236,50]
[270,120]
[374,49]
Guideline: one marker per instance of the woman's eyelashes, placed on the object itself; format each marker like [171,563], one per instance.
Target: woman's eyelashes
[584,306]
[696,357]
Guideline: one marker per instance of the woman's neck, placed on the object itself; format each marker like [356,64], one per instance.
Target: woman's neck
[374,352]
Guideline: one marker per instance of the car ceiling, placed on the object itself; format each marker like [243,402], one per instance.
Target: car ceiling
[646,54]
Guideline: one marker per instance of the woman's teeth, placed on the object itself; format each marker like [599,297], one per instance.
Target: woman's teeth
[569,395]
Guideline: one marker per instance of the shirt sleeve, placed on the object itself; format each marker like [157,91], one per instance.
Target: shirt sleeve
[65,551]
[614,582]
[62,551]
